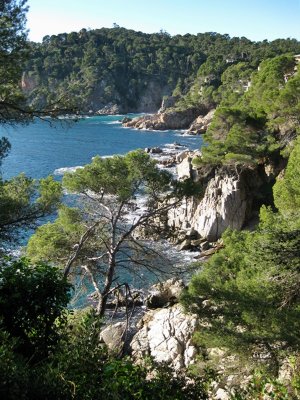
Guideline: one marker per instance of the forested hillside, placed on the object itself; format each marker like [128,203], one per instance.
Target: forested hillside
[243,335]
[135,70]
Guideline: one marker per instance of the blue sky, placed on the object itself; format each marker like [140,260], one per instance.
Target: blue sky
[254,19]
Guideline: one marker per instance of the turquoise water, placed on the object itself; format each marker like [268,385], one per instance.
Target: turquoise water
[39,149]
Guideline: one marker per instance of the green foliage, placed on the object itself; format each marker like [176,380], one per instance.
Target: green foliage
[54,241]
[120,176]
[90,373]
[264,386]
[80,368]
[4,148]
[32,303]
[241,298]
[287,190]
[235,80]
[266,85]
[23,201]
[234,135]
[13,374]
[246,126]
[120,66]
[95,238]
[13,51]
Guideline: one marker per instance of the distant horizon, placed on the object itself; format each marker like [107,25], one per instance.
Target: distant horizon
[257,20]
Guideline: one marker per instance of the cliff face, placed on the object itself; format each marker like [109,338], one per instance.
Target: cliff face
[230,199]
[226,204]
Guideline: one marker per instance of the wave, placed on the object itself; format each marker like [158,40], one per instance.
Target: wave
[63,170]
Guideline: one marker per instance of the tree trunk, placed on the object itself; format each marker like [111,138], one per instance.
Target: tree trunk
[101,307]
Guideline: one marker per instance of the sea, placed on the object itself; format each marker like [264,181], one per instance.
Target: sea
[47,147]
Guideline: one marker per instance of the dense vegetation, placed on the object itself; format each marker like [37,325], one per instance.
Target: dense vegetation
[247,295]
[252,126]
[135,70]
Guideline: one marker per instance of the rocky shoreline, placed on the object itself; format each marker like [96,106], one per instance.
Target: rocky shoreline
[195,121]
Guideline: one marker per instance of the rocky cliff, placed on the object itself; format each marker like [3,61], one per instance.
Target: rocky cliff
[231,198]
[164,121]
[226,203]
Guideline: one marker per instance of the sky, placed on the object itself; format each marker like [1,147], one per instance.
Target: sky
[255,19]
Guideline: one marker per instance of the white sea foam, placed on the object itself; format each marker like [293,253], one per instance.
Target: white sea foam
[184,134]
[63,170]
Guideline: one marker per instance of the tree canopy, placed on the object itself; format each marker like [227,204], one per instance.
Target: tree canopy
[13,53]
[135,70]
[99,235]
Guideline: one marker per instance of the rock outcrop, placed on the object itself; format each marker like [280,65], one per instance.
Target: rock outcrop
[223,206]
[113,336]
[151,98]
[227,202]
[195,120]
[166,335]
[165,293]
[109,109]
[167,102]
[164,121]
[201,123]
[28,82]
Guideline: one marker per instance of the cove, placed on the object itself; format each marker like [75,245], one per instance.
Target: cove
[39,149]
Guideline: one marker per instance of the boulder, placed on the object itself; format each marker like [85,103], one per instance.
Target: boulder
[185,245]
[205,246]
[221,394]
[113,336]
[184,169]
[198,242]
[155,150]
[165,293]
[181,156]
[126,119]
[166,335]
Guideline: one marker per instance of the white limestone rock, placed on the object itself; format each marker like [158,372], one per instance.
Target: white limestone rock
[166,336]
[224,205]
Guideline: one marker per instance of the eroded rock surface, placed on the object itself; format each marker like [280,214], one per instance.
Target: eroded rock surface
[109,109]
[166,335]
[225,204]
